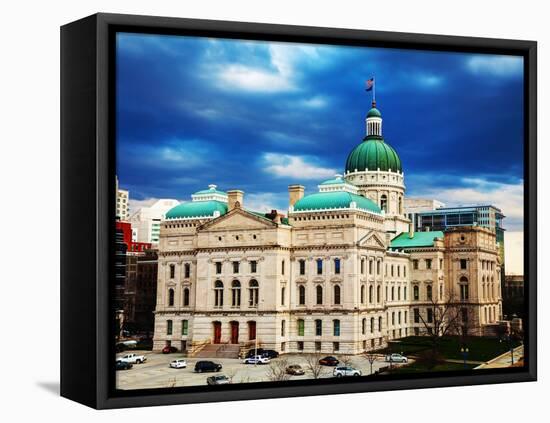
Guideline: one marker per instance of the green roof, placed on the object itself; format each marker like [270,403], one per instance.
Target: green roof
[334,200]
[373,153]
[210,191]
[332,181]
[197,209]
[419,239]
[374,112]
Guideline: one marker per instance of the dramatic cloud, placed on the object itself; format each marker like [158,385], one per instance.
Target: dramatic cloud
[295,167]
[501,66]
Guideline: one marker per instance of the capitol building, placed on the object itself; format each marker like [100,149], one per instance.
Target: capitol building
[343,271]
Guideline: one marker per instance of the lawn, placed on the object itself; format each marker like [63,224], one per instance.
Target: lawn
[479,348]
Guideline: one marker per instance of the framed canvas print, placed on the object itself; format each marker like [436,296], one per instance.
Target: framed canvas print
[253,211]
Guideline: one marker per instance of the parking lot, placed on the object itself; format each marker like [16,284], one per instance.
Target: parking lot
[156,373]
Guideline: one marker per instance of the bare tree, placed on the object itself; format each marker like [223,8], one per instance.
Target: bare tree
[371,358]
[346,360]
[313,365]
[277,370]
[231,373]
[443,317]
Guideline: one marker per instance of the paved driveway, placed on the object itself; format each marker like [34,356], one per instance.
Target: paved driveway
[156,373]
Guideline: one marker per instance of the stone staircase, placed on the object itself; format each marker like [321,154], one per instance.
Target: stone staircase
[219,351]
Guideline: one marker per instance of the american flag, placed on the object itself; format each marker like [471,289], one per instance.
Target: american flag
[369,83]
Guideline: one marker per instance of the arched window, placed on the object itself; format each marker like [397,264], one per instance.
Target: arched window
[464,294]
[400,205]
[319,266]
[283,327]
[336,327]
[283,295]
[218,294]
[405,293]
[170,297]
[416,292]
[378,294]
[370,293]
[371,324]
[337,298]
[393,293]
[319,295]
[253,293]
[362,294]
[384,203]
[186,297]
[398,293]
[380,324]
[301,295]
[364,326]
[236,294]
[429,292]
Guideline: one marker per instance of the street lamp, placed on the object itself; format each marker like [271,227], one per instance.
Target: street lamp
[464,351]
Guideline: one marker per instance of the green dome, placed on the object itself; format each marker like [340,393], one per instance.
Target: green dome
[197,209]
[374,112]
[373,153]
[334,200]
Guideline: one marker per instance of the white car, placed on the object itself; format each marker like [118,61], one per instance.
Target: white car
[133,358]
[345,371]
[178,364]
[256,359]
[396,358]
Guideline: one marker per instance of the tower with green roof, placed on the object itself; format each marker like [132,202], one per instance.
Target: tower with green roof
[375,168]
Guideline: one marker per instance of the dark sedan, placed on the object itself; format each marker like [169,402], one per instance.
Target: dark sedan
[123,365]
[207,366]
[329,361]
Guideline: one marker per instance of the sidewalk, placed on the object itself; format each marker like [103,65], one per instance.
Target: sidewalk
[504,360]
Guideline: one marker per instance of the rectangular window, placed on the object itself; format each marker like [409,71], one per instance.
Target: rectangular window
[441,264]
[336,324]
[362,266]
[235,267]
[428,263]
[283,327]
[319,266]
[318,327]
[187,270]
[302,267]
[399,318]
[430,315]
[218,267]
[283,267]
[370,267]
[317,346]
[184,327]
[337,266]
[300,327]
[172,271]
[253,266]
[283,296]
[415,264]
[463,264]
[168,327]
[300,345]
[416,315]
[378,267]
[393,318]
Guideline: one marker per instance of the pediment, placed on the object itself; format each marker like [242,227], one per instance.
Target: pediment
[237,219]
[373,240]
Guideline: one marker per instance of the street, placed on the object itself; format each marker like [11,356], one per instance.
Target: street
[156,373]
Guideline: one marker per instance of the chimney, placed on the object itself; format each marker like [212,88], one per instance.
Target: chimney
[411,230]
[234,199]
[295,193]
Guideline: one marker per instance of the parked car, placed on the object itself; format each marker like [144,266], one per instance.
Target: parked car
[123,365]
[396,358]
[178,364]
[133,358]
[329,361]
[169,349]
[270,354]
[207,366]
[253,352]
[218,380]
[257,359]
[295,369]
[346,371]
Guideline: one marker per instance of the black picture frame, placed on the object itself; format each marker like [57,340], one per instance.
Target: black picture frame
[88,193]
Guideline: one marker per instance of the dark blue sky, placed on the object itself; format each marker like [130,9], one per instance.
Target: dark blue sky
[258,116]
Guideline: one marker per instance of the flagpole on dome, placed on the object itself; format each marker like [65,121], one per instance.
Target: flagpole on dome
[373,92]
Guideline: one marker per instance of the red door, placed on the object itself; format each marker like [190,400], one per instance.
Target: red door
[217,332]
[234,332]
[251,330]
